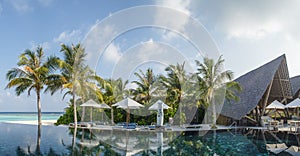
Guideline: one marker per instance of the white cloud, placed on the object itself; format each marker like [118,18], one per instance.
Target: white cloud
[112,53]
[254,31]
[21,6]
[176,22]
[73,36]
[97,38]
[251,20]
[182,5]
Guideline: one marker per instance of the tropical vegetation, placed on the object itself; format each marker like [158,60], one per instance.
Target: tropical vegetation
[184,92]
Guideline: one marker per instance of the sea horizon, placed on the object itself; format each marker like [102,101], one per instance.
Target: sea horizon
[31,112]
[28,116]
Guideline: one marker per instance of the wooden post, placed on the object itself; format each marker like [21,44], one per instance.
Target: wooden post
[267,97]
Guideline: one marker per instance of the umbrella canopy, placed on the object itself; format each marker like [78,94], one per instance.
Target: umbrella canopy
[159,106]
[91,103]
[276,105]
[293,150]
[128,104]
[276,148]
[103,106]
[294,104]
[156,104]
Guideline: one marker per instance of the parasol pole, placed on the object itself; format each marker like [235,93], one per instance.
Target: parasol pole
[128,116]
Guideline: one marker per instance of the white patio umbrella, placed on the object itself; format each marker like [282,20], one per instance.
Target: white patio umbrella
[293,150]
[93,104]
[159,106]
[294,104]
[276,148]
[275,105]
[128,104]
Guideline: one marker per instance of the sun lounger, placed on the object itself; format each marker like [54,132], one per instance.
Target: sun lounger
[82,124]
[265,121]
[152,127]
[126,126]
[130,126]
[191,126]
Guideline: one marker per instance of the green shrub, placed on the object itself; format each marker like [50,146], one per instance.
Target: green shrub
[68,117]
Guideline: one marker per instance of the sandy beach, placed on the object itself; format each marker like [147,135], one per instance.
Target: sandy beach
[35,122]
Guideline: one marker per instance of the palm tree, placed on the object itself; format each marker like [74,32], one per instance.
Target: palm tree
[175,83]
[33,74]
[74,75]
[213,78]
[112,91]
[144,83]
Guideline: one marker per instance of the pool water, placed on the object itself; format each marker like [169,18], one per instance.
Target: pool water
[18,139]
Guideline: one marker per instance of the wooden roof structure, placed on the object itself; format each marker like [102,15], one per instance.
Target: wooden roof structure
[260,86]
[295,82]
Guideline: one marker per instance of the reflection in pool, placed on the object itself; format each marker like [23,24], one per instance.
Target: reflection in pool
[23,140]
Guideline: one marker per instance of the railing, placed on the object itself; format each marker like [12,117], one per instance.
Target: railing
[233,124]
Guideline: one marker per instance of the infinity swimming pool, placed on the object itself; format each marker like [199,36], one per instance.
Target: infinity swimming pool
[18,139]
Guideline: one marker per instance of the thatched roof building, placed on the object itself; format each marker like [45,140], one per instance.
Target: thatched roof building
[295,82]
[260,87]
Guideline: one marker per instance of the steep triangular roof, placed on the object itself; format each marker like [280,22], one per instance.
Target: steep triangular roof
[254,85]
[295,82]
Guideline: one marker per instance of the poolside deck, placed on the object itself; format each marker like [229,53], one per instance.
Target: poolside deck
[191,128]
[184,128]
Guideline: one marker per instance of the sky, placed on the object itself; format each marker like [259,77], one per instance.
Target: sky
[247,34]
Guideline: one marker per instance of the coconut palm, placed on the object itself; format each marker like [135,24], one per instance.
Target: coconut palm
[74,75]
[112,91]
[144,84]
[213,78]
[175,82]
[33,74]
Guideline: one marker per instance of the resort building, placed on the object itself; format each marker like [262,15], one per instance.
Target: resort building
[260,87]
[295,82]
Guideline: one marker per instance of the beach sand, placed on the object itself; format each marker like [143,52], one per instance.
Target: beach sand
[35,122]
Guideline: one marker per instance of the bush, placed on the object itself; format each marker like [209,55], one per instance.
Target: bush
[68,117]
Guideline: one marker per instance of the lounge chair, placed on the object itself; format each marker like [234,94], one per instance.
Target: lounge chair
[265,121]
[82,124]
[152,127]
[130,126]
[280,124]
[191,126]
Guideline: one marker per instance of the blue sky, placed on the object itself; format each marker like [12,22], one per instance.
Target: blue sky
[247,33]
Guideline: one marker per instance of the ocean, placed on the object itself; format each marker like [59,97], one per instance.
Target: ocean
[28,116]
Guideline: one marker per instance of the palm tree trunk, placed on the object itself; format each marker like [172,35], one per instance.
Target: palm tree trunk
[74,139]
[180,110]
[39,108]
[75,111]
[112,116]
[214,115]
[212,103]
[38,141]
